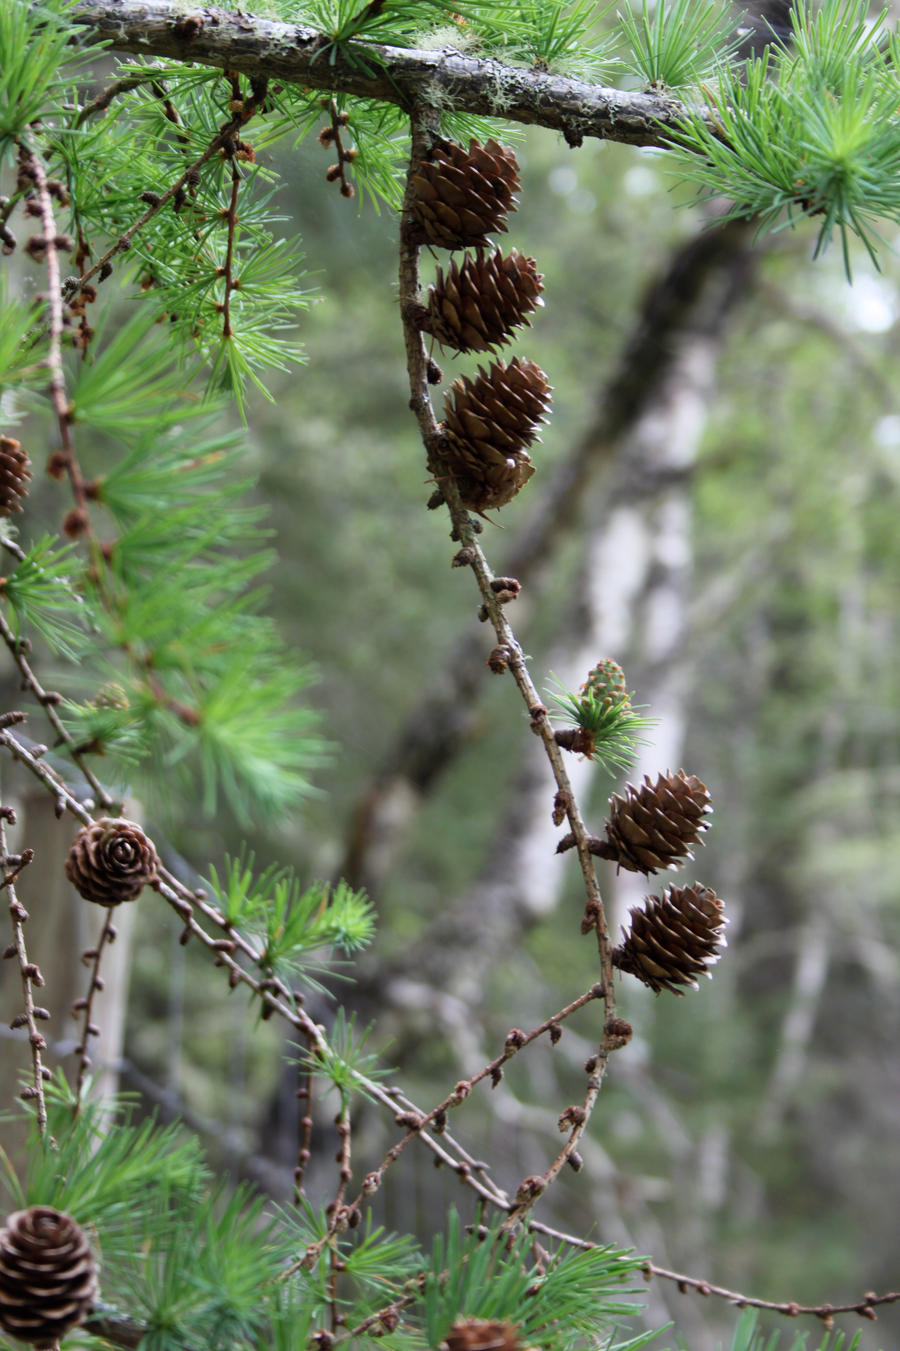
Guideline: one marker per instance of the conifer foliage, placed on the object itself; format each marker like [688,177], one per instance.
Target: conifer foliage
[164,292]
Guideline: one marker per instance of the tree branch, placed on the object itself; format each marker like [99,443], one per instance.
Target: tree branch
[438,727]
[403,76]
[865,1307]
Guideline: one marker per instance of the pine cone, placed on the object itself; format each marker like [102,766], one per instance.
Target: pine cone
[606,681]
[674,939]
[481,1334]
[111,861]
[15,471]
[478,304]
[488,423]
[48,1275]
[653,827]
[461,196]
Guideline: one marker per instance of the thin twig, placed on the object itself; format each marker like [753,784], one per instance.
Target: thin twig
[123,243]
[48,700]
[277,999]
[386,1317]
[332,136]
[304,1148]
[112,91]
[230,285]
[52,781]
[32,165]
[341,1215]
[865,1307]
[11,866]
[85,1006]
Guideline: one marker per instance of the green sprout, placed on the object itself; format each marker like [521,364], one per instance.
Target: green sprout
[605,725]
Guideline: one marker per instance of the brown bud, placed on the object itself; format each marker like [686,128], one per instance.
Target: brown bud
[58,464]
[412,1120]
[618,1033]
[572,1116]
[530,1189]
[75,523]
[561,804]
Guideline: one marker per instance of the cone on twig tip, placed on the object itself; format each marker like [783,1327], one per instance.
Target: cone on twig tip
[606,681]
[111,861]
[607,728]
[480,301]
[48,1275]
[15,471]
[481,1334]
[653,827]
[674,939]
[462,196]
[488,423]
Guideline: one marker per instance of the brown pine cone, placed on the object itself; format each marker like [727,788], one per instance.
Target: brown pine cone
[674,939]
[15,471]
[464,195]
[111,861]
[488,423]
[652,827]
[48,1275]
[481,1334]
[479,303]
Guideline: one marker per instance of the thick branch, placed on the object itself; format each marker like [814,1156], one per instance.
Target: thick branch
[298,55]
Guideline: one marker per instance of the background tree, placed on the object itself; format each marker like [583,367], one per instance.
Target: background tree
[178,673]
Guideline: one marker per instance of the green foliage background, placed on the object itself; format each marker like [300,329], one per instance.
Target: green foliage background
[792,683]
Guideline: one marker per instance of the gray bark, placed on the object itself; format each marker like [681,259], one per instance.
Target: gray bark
[403,76]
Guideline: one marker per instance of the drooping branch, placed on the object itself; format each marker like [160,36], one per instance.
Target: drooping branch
[865,1307]
[438,727]
[10,867]
[403,76]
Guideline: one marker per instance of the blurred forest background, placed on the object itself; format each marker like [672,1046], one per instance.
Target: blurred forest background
[715,507]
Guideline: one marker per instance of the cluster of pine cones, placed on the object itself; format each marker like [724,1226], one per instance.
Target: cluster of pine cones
[461,197]
[677,936]
[653,827]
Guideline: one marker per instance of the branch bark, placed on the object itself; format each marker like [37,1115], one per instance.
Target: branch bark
[402,76]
